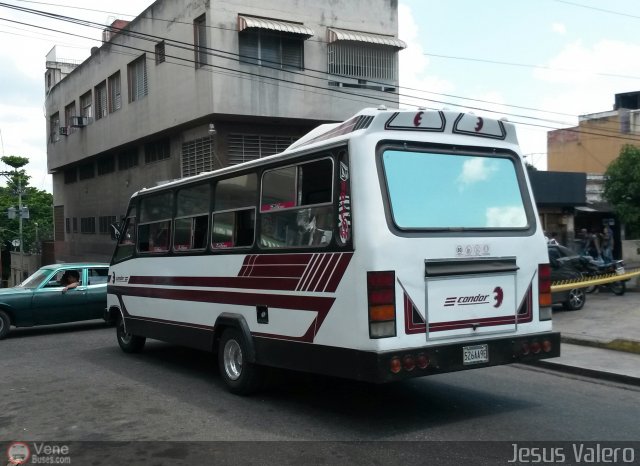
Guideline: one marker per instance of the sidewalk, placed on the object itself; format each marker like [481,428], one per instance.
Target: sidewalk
[602,339]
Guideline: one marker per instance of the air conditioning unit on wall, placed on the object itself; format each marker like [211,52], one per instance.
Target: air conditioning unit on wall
[63,130]
[79,121]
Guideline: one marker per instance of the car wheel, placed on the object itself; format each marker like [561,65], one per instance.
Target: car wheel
[576,300]
[5,324]
[239,375]
[129,343]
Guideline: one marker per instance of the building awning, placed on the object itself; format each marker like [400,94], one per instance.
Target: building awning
[356,36]
[246,22]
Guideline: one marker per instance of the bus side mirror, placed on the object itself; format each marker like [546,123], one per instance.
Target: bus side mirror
[114,229]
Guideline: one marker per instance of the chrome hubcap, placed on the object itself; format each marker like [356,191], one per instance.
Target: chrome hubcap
[232,359]
[125,337]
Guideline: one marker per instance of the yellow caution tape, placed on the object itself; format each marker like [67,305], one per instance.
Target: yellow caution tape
[564,285]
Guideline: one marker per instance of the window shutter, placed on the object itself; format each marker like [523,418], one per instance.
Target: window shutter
[292,52]
[249,46]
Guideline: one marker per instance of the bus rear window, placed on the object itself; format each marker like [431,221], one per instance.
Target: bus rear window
[450,191]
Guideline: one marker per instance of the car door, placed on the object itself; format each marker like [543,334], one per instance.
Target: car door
[97,278]
[53,306]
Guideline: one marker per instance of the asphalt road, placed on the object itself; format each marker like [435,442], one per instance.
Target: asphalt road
[73,383]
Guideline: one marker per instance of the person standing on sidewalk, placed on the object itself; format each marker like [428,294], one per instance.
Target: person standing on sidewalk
[606,244]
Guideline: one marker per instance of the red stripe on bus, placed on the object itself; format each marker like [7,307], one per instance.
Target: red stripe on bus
[336,278]
[256,283]
[326,269]
[304,303]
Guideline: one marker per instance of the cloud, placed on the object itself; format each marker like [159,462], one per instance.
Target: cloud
[506,217]
[474,170]
[419,86]
[559,28]
[591,76]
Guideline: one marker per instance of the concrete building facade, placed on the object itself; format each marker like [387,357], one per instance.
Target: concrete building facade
[590,148]
[195,85]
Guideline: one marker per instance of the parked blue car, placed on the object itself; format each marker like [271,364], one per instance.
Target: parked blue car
[55,294]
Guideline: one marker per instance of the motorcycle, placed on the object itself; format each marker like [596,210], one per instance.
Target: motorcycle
[597,269]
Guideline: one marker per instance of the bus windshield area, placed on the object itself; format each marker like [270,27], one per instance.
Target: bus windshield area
[430,190]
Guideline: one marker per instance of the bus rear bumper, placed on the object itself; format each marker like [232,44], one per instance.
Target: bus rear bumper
[389,366]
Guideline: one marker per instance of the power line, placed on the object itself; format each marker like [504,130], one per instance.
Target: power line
[598,9]
[84,22]
[257,75]
[525,65]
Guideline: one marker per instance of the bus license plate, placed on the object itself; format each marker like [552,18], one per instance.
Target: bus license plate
[475,354]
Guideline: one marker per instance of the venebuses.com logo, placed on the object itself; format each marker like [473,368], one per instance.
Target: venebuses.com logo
[38,453]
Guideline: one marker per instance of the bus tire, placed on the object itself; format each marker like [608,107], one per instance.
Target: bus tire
[239,375]
[5,324]
[129,343]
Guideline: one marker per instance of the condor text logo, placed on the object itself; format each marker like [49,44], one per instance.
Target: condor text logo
[475,300]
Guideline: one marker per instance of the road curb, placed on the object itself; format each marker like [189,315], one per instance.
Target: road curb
[619,344]
[583,371]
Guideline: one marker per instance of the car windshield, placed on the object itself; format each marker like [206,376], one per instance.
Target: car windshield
[35,280]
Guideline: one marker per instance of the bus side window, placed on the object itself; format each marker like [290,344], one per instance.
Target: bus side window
[154,229]
[192,218]
[308,221]
[234,216]
[126,242]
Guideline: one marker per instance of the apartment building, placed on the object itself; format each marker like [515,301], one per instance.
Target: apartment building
[194,85]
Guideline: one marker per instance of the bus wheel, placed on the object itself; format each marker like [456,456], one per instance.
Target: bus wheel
[240,376]
[129,343]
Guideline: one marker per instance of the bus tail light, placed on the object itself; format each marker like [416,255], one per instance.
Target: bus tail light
[544,285]
[381,295]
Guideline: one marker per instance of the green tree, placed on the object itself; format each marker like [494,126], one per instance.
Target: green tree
[39,203]
[622,187]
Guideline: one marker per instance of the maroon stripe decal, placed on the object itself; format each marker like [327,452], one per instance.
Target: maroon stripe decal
[326,273]
[335,280]
[305,303]
[320,305]
[281,284]
[317,273]
[410,326]
[331,270]
[307,272]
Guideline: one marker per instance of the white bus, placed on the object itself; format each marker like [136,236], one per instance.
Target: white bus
[396,244]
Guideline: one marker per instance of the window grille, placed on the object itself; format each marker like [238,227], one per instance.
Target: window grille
[198,156]
[86,171]
[69,111]
[200,41]
[157,150]
[106,164]
[70,175]
[160,52]
[245,147]
[138,86]
[128,159]
[54,127]
[88,225]
[115,99]
[362,61]
[104,222]
[85,105]
[101,100]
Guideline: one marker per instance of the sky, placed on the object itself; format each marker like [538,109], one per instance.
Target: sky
[538,63]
